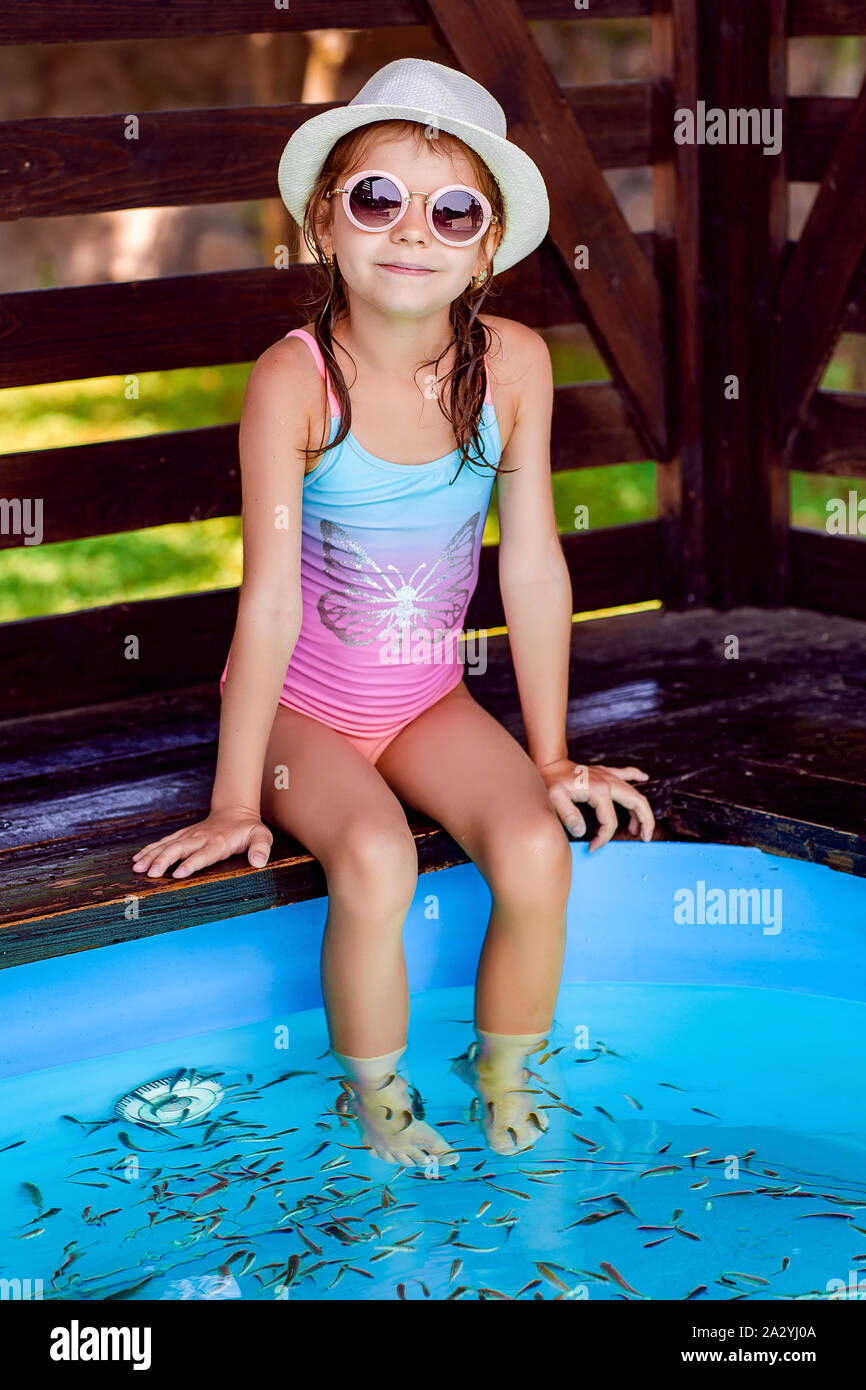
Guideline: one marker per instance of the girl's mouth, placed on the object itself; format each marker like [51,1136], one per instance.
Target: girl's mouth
[403,269]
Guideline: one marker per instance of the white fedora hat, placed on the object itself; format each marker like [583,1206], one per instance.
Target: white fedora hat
[414,89]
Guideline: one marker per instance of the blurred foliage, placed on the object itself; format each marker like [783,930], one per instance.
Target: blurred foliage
[185,558]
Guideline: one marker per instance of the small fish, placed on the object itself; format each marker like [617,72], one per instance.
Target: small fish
[456,1266]
[286,1076]
[401,1291]
[838,1215]
[485,1206]
[615,1275]
[533,1284]
[593,1217]
[696,1153]
[16,1145]
[32,1191]
[655,1172]
[664,1148]
[28,1235]
[670,1085]
[684,1232]
[699,1111]
[631,1100]
[752,1278]
[697,1185]
[128,1293]
[550,1276]
[621,1202]
[601,1110]
[701,1288]
[589,1142]
[648,1245]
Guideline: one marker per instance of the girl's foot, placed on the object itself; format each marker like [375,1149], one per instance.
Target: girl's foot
[391,1122]
[509,1109]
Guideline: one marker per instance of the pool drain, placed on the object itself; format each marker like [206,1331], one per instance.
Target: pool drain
[172,1100]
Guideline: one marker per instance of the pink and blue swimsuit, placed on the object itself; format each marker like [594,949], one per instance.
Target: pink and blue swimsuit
[389,562]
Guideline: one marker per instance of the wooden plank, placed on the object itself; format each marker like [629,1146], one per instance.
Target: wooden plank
[796,816]
[832,437]
[222,316]
[623,307]
[126,484]
[812,296]
[744,217]
[53,21]
[72,659]
[680,480]
[193,475]
[54,167]
[814,17]
[828,572]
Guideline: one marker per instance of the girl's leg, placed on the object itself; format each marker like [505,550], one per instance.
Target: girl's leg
[458,764]
[337,805]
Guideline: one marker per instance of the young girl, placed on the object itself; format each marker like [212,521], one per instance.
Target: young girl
[358,545]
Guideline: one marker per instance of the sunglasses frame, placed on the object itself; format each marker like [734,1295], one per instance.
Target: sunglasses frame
[429,204]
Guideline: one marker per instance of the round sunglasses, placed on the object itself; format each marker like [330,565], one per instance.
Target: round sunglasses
[456,214]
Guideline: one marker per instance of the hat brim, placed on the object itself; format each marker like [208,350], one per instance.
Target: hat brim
[527,210]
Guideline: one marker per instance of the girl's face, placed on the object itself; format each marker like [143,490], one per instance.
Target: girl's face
[362,256]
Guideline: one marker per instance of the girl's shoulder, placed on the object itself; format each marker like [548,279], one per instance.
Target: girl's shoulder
[508,360]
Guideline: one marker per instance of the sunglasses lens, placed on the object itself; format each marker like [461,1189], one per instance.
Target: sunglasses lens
[457,215]
[375,201]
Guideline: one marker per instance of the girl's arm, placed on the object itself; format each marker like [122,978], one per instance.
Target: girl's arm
[536,594]
[533,574]
[275,425]
[274,428]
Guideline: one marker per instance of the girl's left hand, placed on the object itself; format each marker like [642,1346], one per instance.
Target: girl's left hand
[568,782]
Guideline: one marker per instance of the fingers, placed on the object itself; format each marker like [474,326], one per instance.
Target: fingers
[146,858]
[602,803]
[629,774]
[567,811]
[260,848]
[185,844]
[641,818]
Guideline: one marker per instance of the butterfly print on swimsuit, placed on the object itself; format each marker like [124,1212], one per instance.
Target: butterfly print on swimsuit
[369,601]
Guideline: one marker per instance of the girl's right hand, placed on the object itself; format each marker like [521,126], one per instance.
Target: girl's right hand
[219,835]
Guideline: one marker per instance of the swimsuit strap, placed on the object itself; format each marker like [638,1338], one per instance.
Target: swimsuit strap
[308,338]
[333,404]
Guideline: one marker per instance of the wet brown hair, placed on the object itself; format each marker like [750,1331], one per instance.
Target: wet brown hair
[472,337]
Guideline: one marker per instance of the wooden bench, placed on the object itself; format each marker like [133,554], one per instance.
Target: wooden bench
[100,755]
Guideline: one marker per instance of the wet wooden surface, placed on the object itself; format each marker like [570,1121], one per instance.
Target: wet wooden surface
[767,748]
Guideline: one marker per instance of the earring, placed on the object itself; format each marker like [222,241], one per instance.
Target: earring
[479,279]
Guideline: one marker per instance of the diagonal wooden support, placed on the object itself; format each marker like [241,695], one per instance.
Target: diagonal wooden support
[620,297]
[812,296]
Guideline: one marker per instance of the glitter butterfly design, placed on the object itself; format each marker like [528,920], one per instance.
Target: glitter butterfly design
[367,602]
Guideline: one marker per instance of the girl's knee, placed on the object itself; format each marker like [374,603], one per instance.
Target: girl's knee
[529,862]
[373,864]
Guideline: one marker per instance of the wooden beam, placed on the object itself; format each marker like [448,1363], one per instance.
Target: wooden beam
[744,221]
[621,298]
[680,481]
[813,295]
[91,21]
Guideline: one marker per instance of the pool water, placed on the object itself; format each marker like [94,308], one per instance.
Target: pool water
[705,1142]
